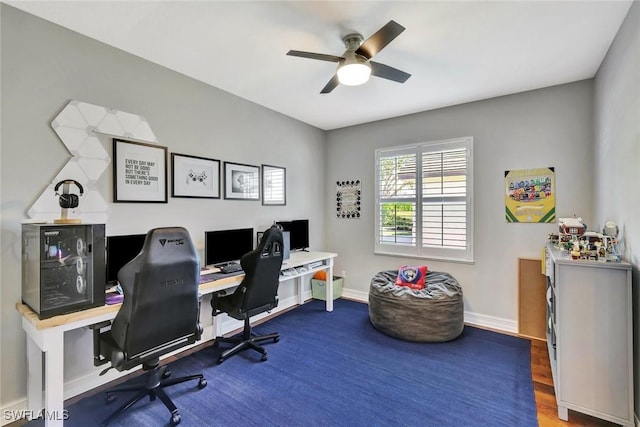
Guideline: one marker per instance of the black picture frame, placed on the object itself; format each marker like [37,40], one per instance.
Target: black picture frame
[241,181]
[195,177]
[274,185]
[139,172]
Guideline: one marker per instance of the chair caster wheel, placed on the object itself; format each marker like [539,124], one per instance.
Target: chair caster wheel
[202,383]
[166,374]
[276,339]
[108,397]
[263,358]
[175,419]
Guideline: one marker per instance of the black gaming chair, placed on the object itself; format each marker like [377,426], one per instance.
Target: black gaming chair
[159,314]
[257,293]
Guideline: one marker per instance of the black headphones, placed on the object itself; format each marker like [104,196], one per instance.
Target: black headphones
[68,200]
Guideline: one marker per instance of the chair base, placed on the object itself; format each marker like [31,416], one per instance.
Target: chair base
[248,340]
[157,380]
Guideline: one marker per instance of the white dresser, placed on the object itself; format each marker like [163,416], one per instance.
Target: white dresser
[590,336]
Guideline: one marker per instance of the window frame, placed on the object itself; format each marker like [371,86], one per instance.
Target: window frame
[418,250]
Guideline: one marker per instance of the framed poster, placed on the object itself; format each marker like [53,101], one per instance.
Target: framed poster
[348,194]
[139,172]
[274,185]
[530,195]
[241,182]
[195,177]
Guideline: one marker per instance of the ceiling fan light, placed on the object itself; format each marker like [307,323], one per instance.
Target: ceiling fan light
[354,74]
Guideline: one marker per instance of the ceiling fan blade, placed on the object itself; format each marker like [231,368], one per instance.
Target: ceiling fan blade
[319,56]
[387,72]
[331,85]
[380,39]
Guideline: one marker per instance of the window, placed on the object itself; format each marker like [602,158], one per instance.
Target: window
[424,200]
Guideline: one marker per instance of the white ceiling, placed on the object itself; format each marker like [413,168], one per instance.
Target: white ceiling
[456,51]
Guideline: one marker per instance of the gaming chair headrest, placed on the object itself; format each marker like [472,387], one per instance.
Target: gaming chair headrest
[168,244]
[271,242]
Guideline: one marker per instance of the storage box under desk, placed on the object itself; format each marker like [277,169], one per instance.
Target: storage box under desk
[319,288]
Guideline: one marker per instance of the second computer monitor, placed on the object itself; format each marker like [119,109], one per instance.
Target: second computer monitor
[221,246]
[121,250]
[299,233]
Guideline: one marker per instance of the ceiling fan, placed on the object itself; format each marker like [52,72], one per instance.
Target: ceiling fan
[355,65]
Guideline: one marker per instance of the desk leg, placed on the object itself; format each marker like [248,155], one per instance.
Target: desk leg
[330,285]
[214,326]
[34,376]
[299,284]
[54,380]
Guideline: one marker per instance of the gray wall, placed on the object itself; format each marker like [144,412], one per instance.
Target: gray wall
[44,67]
[617,152]
[546,127]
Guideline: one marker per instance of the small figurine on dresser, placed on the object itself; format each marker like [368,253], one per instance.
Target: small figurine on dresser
[570,230]
[610,236]
[573,227]
[579,243]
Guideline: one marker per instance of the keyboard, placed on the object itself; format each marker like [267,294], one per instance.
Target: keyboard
[209,277]
[230,268]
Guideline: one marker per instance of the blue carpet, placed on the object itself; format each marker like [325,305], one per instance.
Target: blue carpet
[335,369]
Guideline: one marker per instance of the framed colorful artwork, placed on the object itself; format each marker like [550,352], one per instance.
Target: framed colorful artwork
[530,195]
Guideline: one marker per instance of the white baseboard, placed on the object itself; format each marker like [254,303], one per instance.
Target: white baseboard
[13,411]
[491,322]
[355,295]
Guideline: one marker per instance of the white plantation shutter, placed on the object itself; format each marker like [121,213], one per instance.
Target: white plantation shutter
[424,200]
[444,187]
[397,192]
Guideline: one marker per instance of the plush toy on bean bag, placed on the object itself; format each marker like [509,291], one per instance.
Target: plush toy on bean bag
[412,277]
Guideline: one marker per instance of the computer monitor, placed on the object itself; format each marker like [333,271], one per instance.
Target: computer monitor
[285,243]
[222,246]
[121,250]
[298,233]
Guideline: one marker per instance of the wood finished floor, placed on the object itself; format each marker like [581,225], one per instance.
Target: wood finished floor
[545,396]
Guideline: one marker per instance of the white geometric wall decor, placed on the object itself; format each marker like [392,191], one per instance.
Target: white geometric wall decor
[77,126]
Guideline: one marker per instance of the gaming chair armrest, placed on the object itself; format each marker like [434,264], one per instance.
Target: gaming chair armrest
[98,357]
[199,328]
[216,298]
[214,302]
[105,349]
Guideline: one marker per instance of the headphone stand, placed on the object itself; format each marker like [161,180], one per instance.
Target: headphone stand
[67,201]
[64,219]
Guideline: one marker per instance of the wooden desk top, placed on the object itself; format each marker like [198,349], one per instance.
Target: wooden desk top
[297,259]
[63,319]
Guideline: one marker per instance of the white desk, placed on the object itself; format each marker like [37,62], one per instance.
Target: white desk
[46,337]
